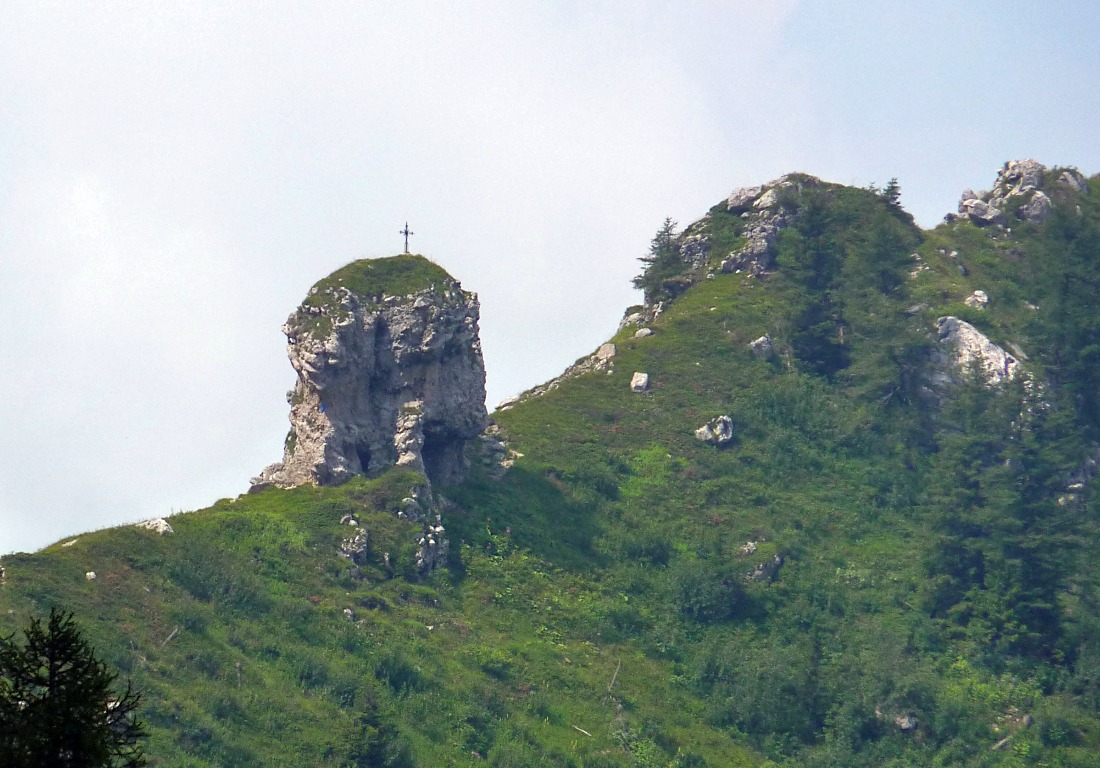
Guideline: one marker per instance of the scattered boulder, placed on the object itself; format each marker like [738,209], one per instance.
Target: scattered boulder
[349,614]
[716,432]
[90,576]
[356,547]
[157,525]
[766,571]
[410,509]
[349,520]
[508,402]
[605,352]
[643,332]
[906,723]
[977,300]
[639,382]
[762,347]
[748,548]
[432,548]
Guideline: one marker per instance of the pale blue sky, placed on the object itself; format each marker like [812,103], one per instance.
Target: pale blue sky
[177,174]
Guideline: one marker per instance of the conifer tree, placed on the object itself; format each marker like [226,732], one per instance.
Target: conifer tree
[661,263]
[58,703]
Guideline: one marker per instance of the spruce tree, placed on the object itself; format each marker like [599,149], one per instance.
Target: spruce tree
[661,264]
[59,705]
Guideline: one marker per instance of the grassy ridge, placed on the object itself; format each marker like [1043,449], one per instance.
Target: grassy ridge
[934,601]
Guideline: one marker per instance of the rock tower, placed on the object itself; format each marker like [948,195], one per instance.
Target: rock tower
[390,372]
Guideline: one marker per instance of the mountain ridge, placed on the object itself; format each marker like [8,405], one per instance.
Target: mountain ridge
[878,566]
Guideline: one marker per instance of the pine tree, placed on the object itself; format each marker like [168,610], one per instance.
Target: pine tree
[661,264]
[58,703]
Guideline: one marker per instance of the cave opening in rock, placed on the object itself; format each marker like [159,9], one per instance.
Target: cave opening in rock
[363,454]
[442,455]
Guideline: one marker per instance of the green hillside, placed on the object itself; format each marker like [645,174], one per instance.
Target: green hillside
[880,569]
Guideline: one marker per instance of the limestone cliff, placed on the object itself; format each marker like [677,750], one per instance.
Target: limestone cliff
[389,370]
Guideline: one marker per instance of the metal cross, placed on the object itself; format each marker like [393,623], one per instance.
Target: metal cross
[406,233]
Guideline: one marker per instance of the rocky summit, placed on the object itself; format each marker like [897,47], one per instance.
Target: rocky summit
[390,372]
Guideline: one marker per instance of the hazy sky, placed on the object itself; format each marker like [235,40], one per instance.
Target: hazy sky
[175,175]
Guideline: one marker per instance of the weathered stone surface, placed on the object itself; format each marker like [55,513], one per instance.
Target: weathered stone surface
[605,352]
[963,347]
[1075,180]
[1037,209]
[158,525]
[717,431]
[643,332]
[977,300]
[356,547]
[981,212]
[762,347]
[742,198]
[382,380]
[764,219]
[1017,180]
[639,382]
[1018,177]
[766,571]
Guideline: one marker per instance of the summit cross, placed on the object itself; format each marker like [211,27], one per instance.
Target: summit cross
[406,233]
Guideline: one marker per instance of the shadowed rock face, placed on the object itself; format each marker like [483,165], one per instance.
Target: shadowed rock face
[383,379]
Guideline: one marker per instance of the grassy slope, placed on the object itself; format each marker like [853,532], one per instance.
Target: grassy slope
[611,552]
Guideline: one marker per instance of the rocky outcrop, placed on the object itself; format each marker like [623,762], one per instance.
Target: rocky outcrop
[977,300]
[962,348]
[717,432]
[603,359]
[765,216]
[639,382]
[157,525]
[762,347]
[1023,186]
[390,372]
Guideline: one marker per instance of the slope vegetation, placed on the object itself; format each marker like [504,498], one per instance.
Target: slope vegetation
[888,564]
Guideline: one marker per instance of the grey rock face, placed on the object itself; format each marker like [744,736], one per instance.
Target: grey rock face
[1019,180]
[764,219]
[980,212]
[716,432]
[977,300]
[382,381]
[742,198]
[963,347]
[762,347]
[1075,180]
[157,525]
[639,382]
[356,547]
[1037,209]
